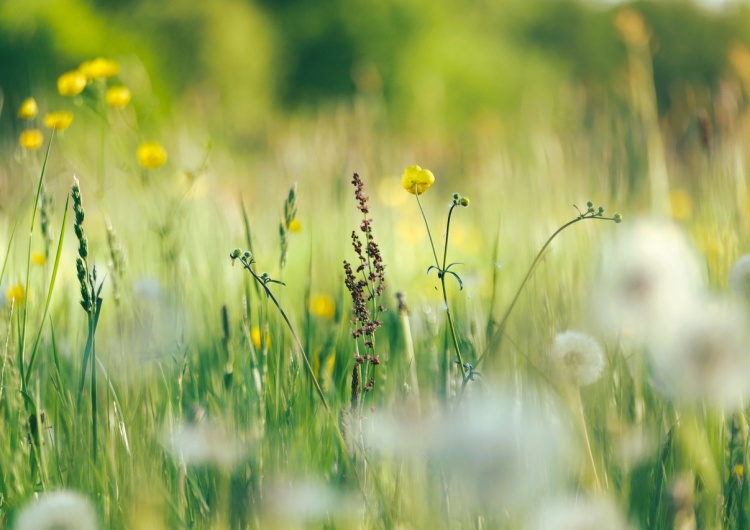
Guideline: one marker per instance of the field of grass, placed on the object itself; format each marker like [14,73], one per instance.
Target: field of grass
[180,350]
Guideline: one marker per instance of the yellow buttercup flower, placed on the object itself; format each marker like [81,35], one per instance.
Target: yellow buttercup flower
[681,204]
[99,68]
[15,295]
[322,306]
[417,180]
[58,120]
[118,96]
[31,139]
[295,226]
[151,155]
[28,109]
[71,83]
[255,337]
[37,258]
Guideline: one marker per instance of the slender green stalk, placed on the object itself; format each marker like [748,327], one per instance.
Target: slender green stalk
[263,281]
[441,274]
[24,318]
[497,335]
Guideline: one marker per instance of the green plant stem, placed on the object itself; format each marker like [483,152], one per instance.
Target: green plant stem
[498,333]
[441,273]
[308,366]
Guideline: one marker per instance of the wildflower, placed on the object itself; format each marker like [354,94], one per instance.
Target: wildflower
[650,274]
[739,471]
[58,120]
[203,443]
[31,139]
[578,356]
[322,306]
[71,83]
[579,514]
[739,277]
[15,294]
[99,68]
[118,96]
[504,450]
[38,258]
[60,510]
[681,204]
[28,109]
[258,339]
[702,358]
[151,155]
[417,180]
[295,226]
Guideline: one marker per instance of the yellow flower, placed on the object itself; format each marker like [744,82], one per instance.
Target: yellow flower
[151,155]
[681,204]
[322,306]
[295,226]
[71,83]
[417,180]
[739,470]
[118,96]
[255,336]
[58,120]
[37,258]
[99,68]
[15,295]
[28,109]
[31,139]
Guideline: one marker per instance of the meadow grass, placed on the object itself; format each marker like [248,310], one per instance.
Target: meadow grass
[206,387]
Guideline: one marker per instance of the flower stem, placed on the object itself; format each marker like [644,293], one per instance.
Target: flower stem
[441,273]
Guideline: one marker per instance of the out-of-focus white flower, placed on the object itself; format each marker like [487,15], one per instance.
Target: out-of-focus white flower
[739,277]
[649,275]
[58,510]
[504,452]
[301,502]
[577,357]
[204,443]
[579,514]
[705,356]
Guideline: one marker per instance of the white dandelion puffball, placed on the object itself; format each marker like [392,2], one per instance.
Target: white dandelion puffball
[579,514]
[705,357]
[578,357]
[503,452]
[58,510]
[649,274]
[739,277]
[204,443]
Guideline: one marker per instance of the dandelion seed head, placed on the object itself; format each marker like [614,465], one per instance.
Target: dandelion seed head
[579,514]
[704,358]
[577,357]
[505,452]
[204,443]
[649,274]
[58,510]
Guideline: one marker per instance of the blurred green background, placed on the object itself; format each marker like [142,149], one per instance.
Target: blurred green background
[437,65]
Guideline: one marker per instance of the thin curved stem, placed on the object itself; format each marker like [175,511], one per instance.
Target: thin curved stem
[294,334]
[498,333]
[441,273]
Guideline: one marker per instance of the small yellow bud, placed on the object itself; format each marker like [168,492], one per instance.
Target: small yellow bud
[28,109]
[71,83]
[99,68]
[31,139]
[58,120]
[118,96]
[151,155]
